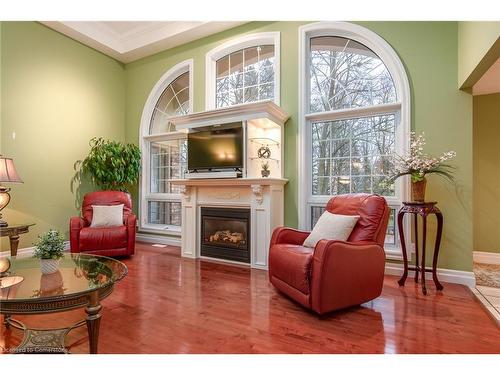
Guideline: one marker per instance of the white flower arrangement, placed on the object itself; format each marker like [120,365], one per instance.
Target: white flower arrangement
[418,164]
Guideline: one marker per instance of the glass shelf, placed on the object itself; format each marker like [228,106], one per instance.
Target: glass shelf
[264,141]
[264,159]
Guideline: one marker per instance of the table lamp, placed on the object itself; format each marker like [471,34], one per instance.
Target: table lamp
[8,173]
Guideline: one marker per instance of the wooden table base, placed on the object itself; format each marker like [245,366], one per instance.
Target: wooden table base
[423,210]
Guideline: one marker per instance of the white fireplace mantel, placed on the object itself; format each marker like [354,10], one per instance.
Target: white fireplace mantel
[264,197]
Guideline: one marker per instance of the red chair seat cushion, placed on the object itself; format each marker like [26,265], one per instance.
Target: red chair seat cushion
[292,265]
[103,238]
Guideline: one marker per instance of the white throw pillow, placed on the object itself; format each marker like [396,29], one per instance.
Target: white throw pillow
[331,227]
[107,216]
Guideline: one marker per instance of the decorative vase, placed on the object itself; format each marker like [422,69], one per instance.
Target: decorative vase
[418,190]
[48,266]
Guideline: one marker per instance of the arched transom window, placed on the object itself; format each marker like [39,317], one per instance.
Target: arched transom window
[164,150]
[355,117]
[243,70]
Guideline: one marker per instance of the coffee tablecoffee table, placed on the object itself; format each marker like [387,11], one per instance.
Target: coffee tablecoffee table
[81,281]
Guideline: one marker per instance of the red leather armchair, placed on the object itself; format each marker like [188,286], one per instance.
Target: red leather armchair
[112,241]
[335,274]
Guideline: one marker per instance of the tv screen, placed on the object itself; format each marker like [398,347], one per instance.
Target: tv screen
[218,147]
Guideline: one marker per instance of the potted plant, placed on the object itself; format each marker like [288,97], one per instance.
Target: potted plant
[265,172]
[418,164]
[112,165]
[49,249]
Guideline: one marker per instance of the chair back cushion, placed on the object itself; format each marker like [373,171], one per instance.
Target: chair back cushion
[373,215]
[105,198]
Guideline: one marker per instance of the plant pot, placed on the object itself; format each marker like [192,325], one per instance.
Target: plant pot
[48,266]
[418,190]
[265,173]
[51,284]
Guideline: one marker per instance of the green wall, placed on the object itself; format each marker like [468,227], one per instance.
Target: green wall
[476,40]
[56,94]
[429,52]
[486,112]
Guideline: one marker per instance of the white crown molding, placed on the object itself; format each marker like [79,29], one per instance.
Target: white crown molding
[130,41]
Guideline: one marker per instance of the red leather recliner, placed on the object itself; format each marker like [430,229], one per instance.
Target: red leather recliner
[335,274]
[112,241]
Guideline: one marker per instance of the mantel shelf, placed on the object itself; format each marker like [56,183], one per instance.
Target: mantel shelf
[229,181]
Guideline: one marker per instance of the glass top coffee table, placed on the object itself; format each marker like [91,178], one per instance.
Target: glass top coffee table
[81,280]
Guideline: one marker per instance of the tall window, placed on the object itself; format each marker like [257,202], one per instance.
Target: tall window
[243,70]
[352,118]
[164,150]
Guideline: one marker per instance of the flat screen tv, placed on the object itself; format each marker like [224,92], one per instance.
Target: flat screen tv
[218,147]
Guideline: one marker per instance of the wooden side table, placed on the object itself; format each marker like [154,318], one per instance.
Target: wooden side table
[422,209]
[13,231]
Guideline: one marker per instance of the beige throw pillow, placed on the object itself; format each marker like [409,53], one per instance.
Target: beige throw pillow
[107,216]
[331,227]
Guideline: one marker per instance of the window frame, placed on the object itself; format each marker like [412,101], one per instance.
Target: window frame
[145,139]
[401,109]
[234,45]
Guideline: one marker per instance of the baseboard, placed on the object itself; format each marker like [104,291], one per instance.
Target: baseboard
[487,258]
[449,276]
[27,251]
[154,238]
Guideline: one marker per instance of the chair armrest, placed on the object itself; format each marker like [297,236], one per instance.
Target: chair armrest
[75,226]
[130,223]
[288,235]
[345,274]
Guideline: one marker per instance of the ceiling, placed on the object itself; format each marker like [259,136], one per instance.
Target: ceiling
[127,41]
[489,83]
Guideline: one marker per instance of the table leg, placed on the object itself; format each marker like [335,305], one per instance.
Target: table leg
[439,232]
[415,216]
[424,239]
[93,321]
[403,248]
[6,321]
[14,243]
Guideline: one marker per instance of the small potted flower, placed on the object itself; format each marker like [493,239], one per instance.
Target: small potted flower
[49,249]
[418,164]
[265,171]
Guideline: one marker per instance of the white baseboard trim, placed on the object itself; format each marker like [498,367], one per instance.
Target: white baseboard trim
[449,276]
[154,238]
[485,257]
[27,251]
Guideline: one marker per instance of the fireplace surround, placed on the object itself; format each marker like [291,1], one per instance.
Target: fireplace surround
[225,233]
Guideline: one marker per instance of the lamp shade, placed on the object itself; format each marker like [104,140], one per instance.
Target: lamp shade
[8,171]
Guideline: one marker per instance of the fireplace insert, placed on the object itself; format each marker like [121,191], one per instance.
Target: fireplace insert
[225,233]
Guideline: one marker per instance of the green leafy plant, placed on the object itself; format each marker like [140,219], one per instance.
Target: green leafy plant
[112,165]
[49,245]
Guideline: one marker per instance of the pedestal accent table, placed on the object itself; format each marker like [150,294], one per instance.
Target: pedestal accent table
[422,209]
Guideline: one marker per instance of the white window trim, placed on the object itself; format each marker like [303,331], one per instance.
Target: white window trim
[233,45]
[396,68]
[145,139]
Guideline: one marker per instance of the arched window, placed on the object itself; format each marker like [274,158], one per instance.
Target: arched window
[243,70]
[164,150]
[354,117]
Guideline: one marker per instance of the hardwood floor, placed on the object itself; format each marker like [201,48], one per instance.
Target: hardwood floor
[168,304]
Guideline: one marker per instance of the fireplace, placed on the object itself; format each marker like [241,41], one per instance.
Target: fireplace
[225,233]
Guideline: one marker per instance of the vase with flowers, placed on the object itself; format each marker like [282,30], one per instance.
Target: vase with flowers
[418,164]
